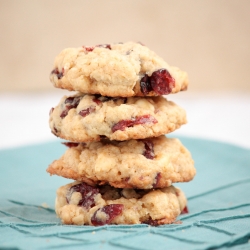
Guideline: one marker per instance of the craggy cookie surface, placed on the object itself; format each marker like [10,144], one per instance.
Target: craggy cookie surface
[79,203]
[82,118]
[145,164]
[122,69]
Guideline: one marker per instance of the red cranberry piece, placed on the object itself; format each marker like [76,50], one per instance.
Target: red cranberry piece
[97,101]
[151,222]
[58,73]
[157,180]
[54,131]
[87,111]
[185,210]
[126,179]
[88,192]
[145,119]
[149,150]
[145,85]
[123,124]
[162,82]
[91,48]
[111,212]
[70,102]
[64,113]
[70,144]
[51,111]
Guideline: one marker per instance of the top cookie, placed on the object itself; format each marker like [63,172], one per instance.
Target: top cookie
[122,69]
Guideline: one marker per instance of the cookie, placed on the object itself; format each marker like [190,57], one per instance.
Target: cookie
[81,204]
[121,69]
[144,164]
[83,118]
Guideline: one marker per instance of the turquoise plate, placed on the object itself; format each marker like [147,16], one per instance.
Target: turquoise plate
[218,202]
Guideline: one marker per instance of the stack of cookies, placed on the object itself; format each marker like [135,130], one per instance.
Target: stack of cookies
[114,126]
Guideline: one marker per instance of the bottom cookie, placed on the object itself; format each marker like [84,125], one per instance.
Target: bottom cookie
[81,204]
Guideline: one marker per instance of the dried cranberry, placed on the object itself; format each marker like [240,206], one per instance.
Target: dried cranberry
[149,150]
[145,85]
[157,180]
[162,82]
[185,210]
[145,119]
[70,102]
[123,124]
[97,101]
[51,111]
[151,222]
[91,48]
[88,192]
[64,113]
[58,73]
[126,179]
[87,111]
[111,212]
[70,144]
[55,129]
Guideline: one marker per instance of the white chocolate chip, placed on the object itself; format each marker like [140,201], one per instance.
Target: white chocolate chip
[75,198]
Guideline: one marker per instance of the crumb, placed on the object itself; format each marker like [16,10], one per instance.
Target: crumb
[45,205]
[177,222]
